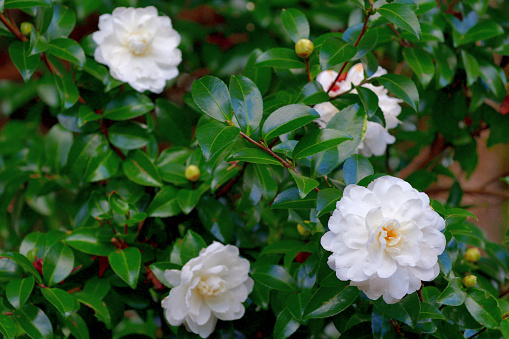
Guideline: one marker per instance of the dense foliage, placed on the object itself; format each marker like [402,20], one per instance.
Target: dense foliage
[108,193]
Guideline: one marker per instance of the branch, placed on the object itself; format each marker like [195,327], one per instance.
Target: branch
[424,157]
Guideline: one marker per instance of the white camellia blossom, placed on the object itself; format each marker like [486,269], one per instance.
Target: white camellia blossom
[139,47]
[385,239]
[209,287]
[377,137]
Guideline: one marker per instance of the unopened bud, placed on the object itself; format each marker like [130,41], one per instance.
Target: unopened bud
[469,281]
[26,28]
[192,173]
[302,231]
[304,48]
[473,254]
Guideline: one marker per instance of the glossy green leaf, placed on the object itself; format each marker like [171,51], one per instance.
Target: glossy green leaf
[62,22]
[459,212]
[454,294]
[7,326]
[312,94]
[128,135]
[368,99]
[275,277]
[117,204]
[86,239]
[261,76]
[358,3]
[191,246]
[34,322]
[318,141]
[97,305]
[329,301]
[287,119]
[446,62]
[57,264]
[98,206]
[304,184]
[367,42]
[57,146]
[291,199]
[24,62]
[482,31]
[77,326]
[187,199]
[165,203]
[280,58]
[17,291]
[25,264]
[127,106]
[139,168]
[64,302]
[67,49]
[335,51]
[211,95]
[158,268]
[402,87]
[255,156]
[18,4]
[407,310]
[38,43]
[483,307]
[401,16]
[246,102]
[216,218]
[126,264]
[421,64]
[356,167]
[285,325]
[102,166]
[295,24]
[67,90]
[429,311]
[296,304]
[173,123]
[471,67]
[326,200]
[214,137]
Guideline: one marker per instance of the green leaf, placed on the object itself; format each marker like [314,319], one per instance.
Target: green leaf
[356,167]
[246,102]
[77,326]
[97,305]
[86,239]
[280,58]
[34,322]
[504,327]
[484,308]
[17,291]
[326,200]
[275,277]
[329,301]
[406,311]
[304,184]
[401,16]
[139,168]
[402,87]
[38,43]
[285,325]
[214,137]
[216,218]
[62,22]
[25,264]
[287,119]
[358,3]
[64,302]
[291,199]
[102,166]
[335,51]
[429,311]
[7,325]
[126,264]
[446,62]
[24,62]
[117,204]
[211,95]
[368,99]
[67,49]
[57,264]
[57,146]
[187,199]
[295,24]
[459,212]
[255,156]
[128,135]
[261,76]
[173,123]
[296,304]
[367,42]
[191,246]
[421,64]
[482,31]
[127,106]
[67,90]
[471,67]
[312,94]
[159,268]
[165,203]
[18,4]
[454,294]
[318,141]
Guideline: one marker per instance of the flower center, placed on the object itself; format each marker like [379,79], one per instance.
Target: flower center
[390,233]
[211,287]
[137,44]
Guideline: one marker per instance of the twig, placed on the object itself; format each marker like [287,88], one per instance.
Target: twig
[307,70]
[477,333]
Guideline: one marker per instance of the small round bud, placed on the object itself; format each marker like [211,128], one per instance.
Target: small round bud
[469,281]
[192,173]
[473,254]
[302,231]
[304,48]
[26,28]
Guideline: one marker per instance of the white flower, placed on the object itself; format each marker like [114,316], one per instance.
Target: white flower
[209,287]
[326,111]
[139,47]
[375,140]
[385,239]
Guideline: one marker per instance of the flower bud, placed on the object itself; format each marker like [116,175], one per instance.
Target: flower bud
[304,48]
[469,281]
[473,254]
[26,28]
[192,173]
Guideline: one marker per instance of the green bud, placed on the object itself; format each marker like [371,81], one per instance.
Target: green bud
[473,254]
[304,48]
[26,28]
[192,173]
[469,281]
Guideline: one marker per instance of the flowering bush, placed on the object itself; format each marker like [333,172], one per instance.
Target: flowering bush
[278,166]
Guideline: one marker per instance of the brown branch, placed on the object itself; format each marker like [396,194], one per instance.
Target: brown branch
[307,70]
[477,333]
[451,5]
[13,28]
[425,156]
